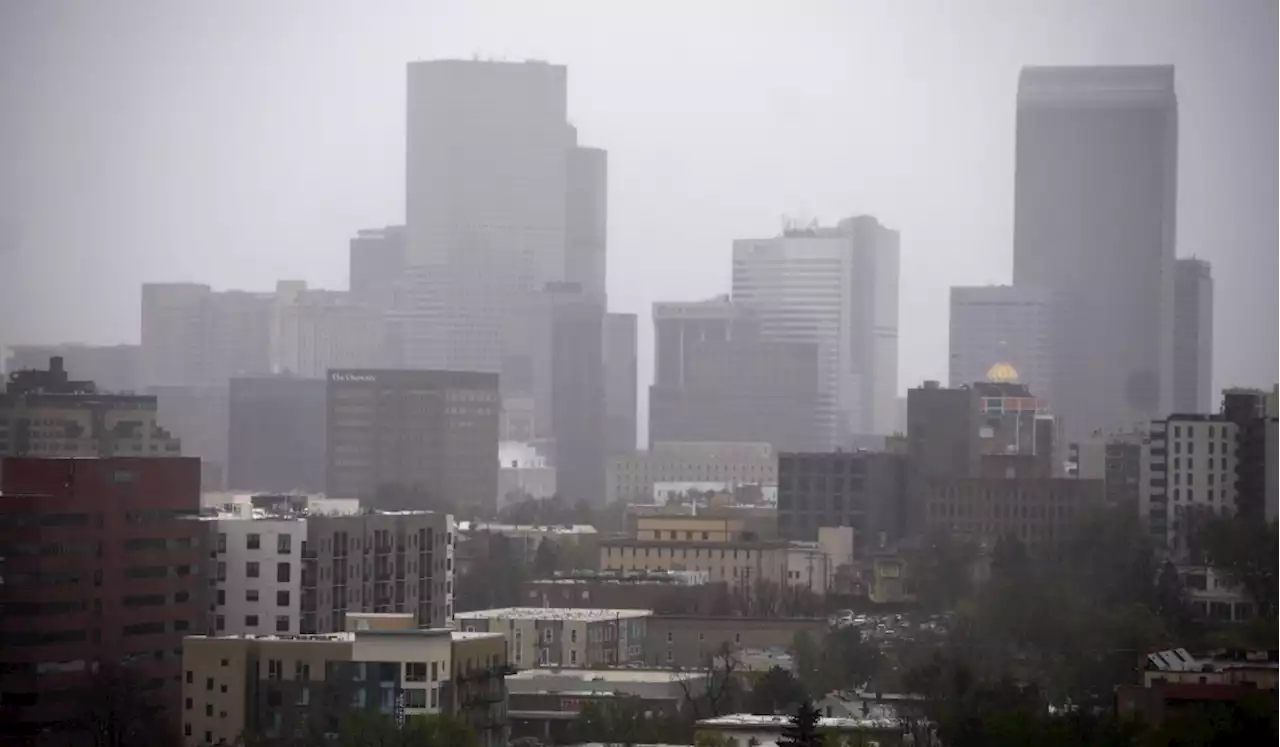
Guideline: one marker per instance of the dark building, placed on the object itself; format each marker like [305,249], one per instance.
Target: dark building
[621,383]
[277,434]
[1255,450]
[1095,214]
[113,368]
[376,262]
[1013,421]
[49,415]
[942,426]
[577,393]
[101,571]
[864,490]
[432,434]
[1192,336]
[716,380]
[1038,511]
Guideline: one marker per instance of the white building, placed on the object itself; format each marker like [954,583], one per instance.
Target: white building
[632,477]
[257,576]
[1190,467]
[836,287]
[560,636]
[1001,324]
[523,472]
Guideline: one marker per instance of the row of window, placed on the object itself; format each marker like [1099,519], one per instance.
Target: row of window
[253,541]
[253,569]
[670,552]
[251,595]
[251,621]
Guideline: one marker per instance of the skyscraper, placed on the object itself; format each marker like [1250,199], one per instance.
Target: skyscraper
[1192,336]
[620,383]
[500,202]
[1001,324]
[836,288]
[1094,224]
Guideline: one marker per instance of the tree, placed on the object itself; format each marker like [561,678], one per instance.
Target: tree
[626,721]
[546,559]
[802,729]
[495,576]
[1246,552]
[122,709]
[843,661]
[713,688]
[776,691]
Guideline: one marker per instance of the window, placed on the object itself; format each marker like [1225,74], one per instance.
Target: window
[186,729]
[573,656]
[275,669]
[250,595]
[189,676]
[222,597]
[282,623]
[282,572]
[251,568]
[670,636]
[208,709]
[208,684]
[416,698]
[301,671]
[415,671]
[253,541]
[282,598]
[284,544]
[251,621]
[435,671]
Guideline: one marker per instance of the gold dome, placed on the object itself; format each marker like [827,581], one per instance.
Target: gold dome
[1002,373]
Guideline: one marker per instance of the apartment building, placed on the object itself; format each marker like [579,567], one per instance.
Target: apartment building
[113,368]
[569,637]
[44,413]
[384,562]
[632,477]
[1038,511]
[863,490]
[102,562]
[688,641]
[256,584]
[281,685]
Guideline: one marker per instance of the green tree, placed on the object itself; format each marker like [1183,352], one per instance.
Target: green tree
[802,728]
[776,691]
[1247,553]
[546,560]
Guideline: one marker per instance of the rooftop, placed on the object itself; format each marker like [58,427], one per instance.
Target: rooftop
[771,723]
[481,526]
[603,676]
[552,613]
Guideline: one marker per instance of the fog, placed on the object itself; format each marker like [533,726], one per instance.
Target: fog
[241,142]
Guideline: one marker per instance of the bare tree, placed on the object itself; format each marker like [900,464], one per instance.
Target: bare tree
[713,688]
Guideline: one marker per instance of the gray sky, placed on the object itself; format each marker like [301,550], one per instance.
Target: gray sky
[242,141]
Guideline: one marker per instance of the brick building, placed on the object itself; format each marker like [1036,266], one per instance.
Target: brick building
[101,567]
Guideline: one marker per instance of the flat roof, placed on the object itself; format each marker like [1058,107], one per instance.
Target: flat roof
[460,635]
[552,613]
[756,721]
[607,676]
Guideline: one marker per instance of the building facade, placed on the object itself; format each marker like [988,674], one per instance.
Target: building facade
[1192,336]
[1001,324]
[621,383]
[194,336]
[836,288]
[390,562]
[434,433]
[1038,511]
[862,490]
[44,414]
[276,429]
[256,584]
[102,562]
[376,264]
[317,330]
[1089,140]
[199,416]
[273,686]
[568,637]
[632,478]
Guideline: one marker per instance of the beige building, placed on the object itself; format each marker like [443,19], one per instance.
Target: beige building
[689,529]
[282,685]
[569,637]
[631,478]
[738,564]
[44,414]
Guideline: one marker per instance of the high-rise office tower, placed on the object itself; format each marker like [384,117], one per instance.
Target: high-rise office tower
[1192,336]
[192,335]
[577,392]
[1094,223]
[836,287]
[430,435]
[997,324]
[376,258]
[620,383]
[499,204]
[276,431]
[718,380]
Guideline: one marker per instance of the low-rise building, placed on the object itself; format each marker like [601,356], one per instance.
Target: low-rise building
[545,703]
[738,564]
[1036,511]
[564,636]
[308,684]
[527,537]
[1173,680]
[523,472]
[743,729]
[687,641]
[632,477]
[664,592]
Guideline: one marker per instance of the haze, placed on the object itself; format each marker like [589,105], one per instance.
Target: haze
[237,143]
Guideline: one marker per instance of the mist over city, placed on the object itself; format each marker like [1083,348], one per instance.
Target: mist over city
[714,374]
